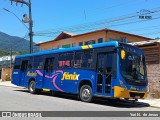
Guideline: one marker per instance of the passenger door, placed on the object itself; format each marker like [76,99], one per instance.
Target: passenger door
[48,71]
[24,66]
[104,70]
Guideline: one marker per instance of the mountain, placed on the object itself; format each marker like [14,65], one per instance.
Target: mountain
[17,43]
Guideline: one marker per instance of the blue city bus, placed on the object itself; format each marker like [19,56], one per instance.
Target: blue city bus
[110,69]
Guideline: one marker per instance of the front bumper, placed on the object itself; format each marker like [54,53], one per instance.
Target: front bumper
[129,94]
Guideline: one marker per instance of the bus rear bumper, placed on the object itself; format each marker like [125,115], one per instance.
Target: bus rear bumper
[123,93]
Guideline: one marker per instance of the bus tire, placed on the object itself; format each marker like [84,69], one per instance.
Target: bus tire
[113,101]
[86,93]
[32,87]
[53,93]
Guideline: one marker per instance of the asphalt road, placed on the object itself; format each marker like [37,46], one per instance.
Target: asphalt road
[18,99]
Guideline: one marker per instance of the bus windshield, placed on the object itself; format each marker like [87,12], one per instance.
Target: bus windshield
[132,67]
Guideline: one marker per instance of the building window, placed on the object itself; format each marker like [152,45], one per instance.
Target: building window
[112,39]
[66,46]
[86,43]
[123,40]
[80,43]
[73,44]
[53,48]
[100,40]
[59,46]
[90,42]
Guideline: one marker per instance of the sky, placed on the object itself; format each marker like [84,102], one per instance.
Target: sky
[51,17]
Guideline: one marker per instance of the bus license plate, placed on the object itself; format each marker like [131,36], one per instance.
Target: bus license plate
[137,97]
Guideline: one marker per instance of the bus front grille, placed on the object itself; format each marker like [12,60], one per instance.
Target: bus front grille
[134,94]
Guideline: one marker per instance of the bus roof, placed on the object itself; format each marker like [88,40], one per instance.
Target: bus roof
[45,52]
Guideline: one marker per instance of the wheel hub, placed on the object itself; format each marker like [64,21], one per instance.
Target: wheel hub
[86,93]
[32,87]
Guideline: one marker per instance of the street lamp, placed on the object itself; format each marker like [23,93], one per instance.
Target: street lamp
[15,16]
[29,20]
[22,23]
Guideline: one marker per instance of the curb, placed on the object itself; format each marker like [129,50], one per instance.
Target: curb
[151,105]
[154,106]
[12,86]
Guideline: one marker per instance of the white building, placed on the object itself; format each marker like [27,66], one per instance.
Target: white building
[5,61]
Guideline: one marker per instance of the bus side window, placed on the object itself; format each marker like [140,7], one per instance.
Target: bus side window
[78,59]
[89,57]
[65,60]
[30,63]
[38,62]
[109,63]
[100,63]
[49,64]
[83,59]
[24,65]
[17,64]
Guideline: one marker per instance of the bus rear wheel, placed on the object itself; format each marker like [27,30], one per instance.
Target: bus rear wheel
[86,93]
[32,87]
[53,93]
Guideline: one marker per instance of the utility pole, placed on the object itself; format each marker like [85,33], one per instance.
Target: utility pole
[11,57]
[30,20]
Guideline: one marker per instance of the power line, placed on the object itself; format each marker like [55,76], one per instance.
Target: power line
[112,21]
[150,33]
[144,28]
[96,28]
[102,10]
[131,22]
[15,16]
[104,21]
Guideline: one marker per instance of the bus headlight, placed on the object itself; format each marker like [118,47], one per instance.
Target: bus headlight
[144,89]
[122,85]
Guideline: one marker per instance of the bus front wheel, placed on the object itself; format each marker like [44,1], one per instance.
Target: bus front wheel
[86,93]
[32,87]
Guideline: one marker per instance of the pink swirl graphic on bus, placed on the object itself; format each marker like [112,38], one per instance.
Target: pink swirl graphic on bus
[53,77]
[39,73]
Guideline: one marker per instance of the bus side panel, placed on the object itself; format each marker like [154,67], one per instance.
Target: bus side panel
[68,80]
[16,77]
[86,75]
[39,79]
[22,78]
[32,75]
